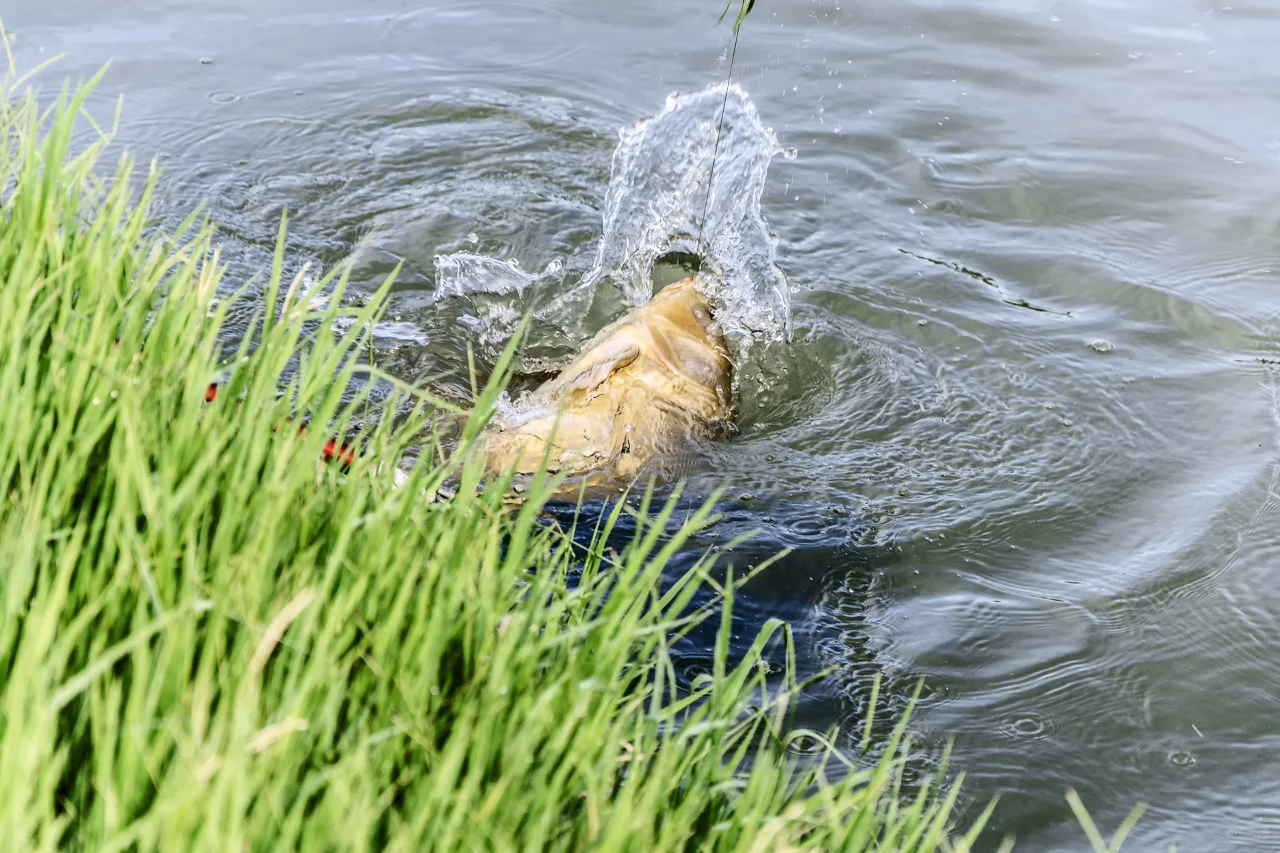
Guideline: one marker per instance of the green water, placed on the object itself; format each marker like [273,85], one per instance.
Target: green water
[1034,251]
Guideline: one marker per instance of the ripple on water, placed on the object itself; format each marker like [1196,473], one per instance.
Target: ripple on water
[442,37]
[1074,549]
[1095,535]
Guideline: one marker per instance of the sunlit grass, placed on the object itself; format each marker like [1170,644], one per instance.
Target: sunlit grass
[213,639]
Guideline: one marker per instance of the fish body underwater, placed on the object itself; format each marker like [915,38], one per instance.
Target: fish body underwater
[643,389]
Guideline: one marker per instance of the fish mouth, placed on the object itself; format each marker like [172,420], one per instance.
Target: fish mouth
[683,253]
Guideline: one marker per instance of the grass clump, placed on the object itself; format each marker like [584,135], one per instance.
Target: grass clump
[211,639]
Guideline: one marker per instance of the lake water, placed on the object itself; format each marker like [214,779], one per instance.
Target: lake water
[1032,250]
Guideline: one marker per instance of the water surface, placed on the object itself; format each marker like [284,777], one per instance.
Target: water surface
[1032,248]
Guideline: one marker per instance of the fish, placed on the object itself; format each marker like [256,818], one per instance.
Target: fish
[636,399]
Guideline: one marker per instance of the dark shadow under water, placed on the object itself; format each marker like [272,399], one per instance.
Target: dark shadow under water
[810,549]
[819,557]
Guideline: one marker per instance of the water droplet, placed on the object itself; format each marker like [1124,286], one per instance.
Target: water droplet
[922,322]
[746,496]
[473,238]
[768,457]
[204,60]
[1101,346]
[790,153]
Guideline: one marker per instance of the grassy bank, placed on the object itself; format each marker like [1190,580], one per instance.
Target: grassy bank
[213,639]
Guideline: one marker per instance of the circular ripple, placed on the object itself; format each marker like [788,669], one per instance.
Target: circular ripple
[443,37]
[1027,727]
[690,671]
[803,743]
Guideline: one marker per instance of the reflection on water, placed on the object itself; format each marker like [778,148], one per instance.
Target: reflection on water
[1034,252]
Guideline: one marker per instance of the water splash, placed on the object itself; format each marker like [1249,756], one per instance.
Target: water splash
[661,177]
[496,289]
[657,193]
[466,273]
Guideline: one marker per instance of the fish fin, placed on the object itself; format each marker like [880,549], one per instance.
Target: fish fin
[596,367]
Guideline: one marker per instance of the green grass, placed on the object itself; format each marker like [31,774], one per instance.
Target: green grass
[213,640]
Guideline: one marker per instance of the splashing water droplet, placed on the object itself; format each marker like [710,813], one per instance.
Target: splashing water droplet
[664,195]
[464,273]
[662,180]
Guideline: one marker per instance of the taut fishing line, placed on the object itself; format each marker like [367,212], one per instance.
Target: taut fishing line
[743,11]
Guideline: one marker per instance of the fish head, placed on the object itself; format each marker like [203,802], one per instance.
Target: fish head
[685,306]
[683,336]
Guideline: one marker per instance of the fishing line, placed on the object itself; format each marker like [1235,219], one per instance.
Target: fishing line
[743,11]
